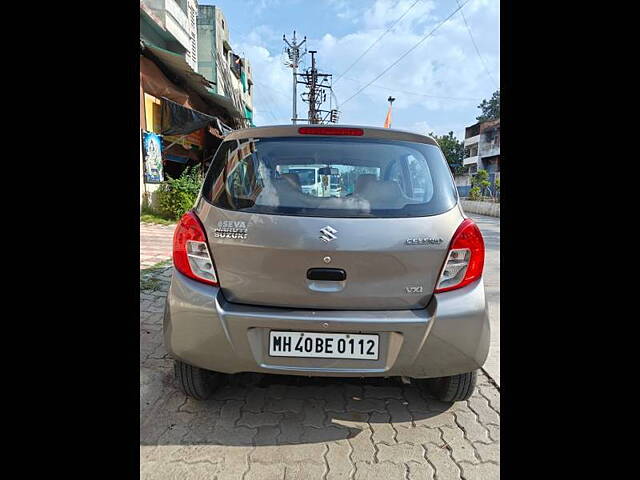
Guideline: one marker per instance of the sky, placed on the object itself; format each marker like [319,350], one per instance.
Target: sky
[438,86]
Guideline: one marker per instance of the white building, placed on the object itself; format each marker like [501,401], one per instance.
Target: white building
[482,147]
[172,25]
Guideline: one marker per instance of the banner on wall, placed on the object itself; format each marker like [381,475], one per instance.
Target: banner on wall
[152,156]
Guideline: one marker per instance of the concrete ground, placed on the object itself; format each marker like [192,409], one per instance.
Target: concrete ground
[156,243]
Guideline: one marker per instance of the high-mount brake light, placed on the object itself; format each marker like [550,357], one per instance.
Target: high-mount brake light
[465,259]
[191,255]
[350,132]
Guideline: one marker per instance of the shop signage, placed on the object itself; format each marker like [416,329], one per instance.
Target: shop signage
[152,154]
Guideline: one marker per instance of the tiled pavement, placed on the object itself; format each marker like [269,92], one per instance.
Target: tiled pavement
[279,427]
[155,243]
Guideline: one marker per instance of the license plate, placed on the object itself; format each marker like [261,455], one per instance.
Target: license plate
[323,345]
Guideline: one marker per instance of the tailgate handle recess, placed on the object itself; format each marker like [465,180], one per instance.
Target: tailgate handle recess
[328,274]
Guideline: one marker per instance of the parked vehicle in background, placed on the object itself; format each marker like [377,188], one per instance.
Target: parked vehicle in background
[308,176]
[383,278]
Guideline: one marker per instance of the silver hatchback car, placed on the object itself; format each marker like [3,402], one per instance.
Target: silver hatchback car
[379,277]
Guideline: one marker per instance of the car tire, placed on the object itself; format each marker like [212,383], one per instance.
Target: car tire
[456,388]
[196,382]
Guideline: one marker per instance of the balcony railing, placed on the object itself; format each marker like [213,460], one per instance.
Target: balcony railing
[172,18]
[472,140]
[176,12]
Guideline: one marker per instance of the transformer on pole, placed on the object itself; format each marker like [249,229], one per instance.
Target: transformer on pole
[293,54]
[318,84]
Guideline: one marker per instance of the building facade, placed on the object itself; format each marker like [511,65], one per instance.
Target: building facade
[183,117]
[481,152]
[229,73]
[482,147]
[171,25]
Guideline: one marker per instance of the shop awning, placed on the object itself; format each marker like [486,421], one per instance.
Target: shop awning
[179,120]
[178,66]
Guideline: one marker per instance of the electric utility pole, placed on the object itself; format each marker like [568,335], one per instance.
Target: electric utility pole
[317,84]
[293,52]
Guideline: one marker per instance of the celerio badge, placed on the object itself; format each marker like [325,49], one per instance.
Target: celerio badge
[424,241]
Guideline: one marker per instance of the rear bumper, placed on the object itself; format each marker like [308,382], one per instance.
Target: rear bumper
[448,337]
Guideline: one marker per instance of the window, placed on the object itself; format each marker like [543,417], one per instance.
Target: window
[307,176]
[337,177]
[420,186]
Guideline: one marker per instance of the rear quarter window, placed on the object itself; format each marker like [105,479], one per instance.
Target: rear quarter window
[331,177]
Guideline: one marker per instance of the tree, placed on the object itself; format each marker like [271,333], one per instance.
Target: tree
[479,184]
[453,150]
[491,108]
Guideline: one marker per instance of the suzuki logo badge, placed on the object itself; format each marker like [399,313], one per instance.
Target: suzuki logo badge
[328,234]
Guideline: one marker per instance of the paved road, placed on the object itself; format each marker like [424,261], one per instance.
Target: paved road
[490,228]
[281,427]
[156,243]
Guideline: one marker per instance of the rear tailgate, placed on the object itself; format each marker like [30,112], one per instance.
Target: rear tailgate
[390,263]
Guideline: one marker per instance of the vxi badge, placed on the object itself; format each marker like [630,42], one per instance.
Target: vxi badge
[231,229]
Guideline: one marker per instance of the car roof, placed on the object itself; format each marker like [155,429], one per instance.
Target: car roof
[292,131]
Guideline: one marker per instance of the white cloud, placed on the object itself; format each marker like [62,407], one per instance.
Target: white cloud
[445,65]
[383,13]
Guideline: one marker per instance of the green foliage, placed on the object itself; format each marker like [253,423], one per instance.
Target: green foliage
[491,108]
[479,184]
[149,278]
[474,193]
[177,195]
[453,150]
[147,216]
[497,187]
[479,178]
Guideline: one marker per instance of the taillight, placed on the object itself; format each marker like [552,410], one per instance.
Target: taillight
[465,259]
[351,132]
[191,255]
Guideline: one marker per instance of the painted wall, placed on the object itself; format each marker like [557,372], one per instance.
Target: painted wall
[482,208]
[207,45]
[213,33]
[148,33]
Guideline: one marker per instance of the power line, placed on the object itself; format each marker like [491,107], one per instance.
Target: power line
[407,52]
[377,40]
[474,99]
[271,88]
[270,104]
[486,69]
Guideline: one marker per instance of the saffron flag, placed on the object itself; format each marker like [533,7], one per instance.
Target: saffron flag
[387,121]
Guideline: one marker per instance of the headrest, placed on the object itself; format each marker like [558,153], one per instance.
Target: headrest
[364,181]
[292,178]
[386,195]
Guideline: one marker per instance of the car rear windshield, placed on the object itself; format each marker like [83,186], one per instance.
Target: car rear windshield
[330,177]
